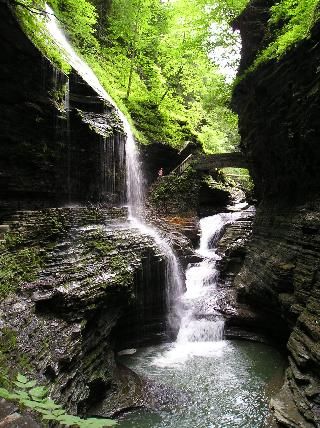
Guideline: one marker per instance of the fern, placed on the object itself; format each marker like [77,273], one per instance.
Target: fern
[28,395]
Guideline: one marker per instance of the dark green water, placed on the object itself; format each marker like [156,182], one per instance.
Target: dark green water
[225,384]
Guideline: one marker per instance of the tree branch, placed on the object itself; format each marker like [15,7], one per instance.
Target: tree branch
[31,9]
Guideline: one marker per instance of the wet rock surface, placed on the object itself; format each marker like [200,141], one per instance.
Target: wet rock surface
[278,106]
[280,279]
[58,138]
[96,272]
[11,417]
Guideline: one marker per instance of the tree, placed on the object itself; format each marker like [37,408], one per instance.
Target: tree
[136,27]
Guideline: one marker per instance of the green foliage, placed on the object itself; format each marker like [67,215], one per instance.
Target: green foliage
[35,398]
[11,360]
[291,21]
[238,177]
[29,13]
[153,58]
[175,89]
[79,17]
[8,343]
[173,194]
[226,10]
[102,247]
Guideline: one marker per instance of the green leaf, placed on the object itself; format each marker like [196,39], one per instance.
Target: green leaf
[38,392]
[58,412]
[47,405]
[4,393]
[30,384]
[22,395]
[49,417]
[21,385]
[30,404]
[69,420]
[21,378]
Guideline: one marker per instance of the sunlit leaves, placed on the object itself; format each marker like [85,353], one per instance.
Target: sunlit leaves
[78,17]
[154,56]
[33,397]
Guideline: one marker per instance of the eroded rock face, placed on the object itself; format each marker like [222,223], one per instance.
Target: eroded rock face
[53,151]
[279,107]
[280,278]
[12,417]
[93,272]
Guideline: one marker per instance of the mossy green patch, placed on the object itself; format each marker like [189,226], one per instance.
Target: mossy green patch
[17,265]
[9,353]
[28,13]
[290,22]
[176,193]
[102,247]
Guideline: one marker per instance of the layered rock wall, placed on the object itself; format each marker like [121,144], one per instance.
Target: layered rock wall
[279,110]
[278,106]
[280,278]
[77,283]
[58,326]
[60,142]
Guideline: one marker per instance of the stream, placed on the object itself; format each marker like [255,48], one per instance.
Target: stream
[219,383]
[224,384]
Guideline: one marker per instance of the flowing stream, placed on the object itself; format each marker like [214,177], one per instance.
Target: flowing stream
[218,383]
[201,324]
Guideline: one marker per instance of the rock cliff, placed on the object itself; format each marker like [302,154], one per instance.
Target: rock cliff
[279,107]
[59,141]
[59,324]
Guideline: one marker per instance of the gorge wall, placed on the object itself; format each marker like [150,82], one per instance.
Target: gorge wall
[279,110]
[85,275]
[71,269]
[60,142]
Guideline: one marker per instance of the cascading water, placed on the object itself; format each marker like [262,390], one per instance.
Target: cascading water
[224,387]
[201,321]
[201,329]
[134,174]
[222,383]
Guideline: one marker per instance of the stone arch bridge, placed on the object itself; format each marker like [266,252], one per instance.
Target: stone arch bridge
[210,162]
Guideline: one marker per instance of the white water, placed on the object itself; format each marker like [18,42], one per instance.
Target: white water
[201,330]
[134,175]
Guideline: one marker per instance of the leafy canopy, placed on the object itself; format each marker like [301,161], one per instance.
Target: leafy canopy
[291,21]
[156,58]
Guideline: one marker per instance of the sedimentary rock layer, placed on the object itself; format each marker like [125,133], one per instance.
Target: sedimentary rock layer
[60,142]
[279,108]
[58,326]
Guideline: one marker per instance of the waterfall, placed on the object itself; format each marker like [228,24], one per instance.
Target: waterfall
[201,321]
[202,326]
[134,175]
